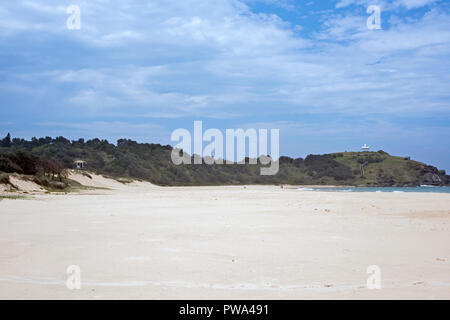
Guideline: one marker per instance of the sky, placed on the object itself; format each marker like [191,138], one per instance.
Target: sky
[312,69]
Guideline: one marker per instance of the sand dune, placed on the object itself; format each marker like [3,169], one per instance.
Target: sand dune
[20,184]
[147,242]
[98,181]
[23,184]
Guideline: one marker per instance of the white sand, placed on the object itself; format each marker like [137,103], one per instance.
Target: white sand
[4,188]
[95,180]
[24,185]
[146,242]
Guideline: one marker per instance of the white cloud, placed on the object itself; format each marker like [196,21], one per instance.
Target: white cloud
[218,59]
[411,4]
[384,4]
[366,3]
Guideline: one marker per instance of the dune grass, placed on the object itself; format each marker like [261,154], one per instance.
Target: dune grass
[13,197]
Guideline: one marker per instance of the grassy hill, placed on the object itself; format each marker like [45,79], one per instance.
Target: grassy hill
[45,157]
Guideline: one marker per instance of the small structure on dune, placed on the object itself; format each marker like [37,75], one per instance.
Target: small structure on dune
[80,164]
[365,147]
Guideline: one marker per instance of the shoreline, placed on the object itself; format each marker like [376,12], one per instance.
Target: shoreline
[23,185]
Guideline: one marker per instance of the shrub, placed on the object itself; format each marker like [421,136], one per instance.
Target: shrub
[51,168]
[25,161]
[4,178]
[320,166]
[6,165]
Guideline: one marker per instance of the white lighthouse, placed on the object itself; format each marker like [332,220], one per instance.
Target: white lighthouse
[365,147]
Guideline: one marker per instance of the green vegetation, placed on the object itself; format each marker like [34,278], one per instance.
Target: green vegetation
[46,158]
[46,172]
[12,197]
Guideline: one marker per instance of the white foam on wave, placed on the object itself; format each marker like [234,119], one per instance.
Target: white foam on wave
[305,189]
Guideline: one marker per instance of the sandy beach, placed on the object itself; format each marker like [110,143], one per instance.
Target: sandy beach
[140,241]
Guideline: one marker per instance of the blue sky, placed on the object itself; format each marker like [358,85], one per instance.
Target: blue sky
[140,69]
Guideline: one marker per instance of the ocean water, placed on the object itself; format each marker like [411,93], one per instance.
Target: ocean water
[432,189]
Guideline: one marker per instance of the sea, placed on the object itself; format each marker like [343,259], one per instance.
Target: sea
[424,188]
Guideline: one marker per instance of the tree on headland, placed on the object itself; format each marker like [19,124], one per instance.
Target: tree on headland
[6,142]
